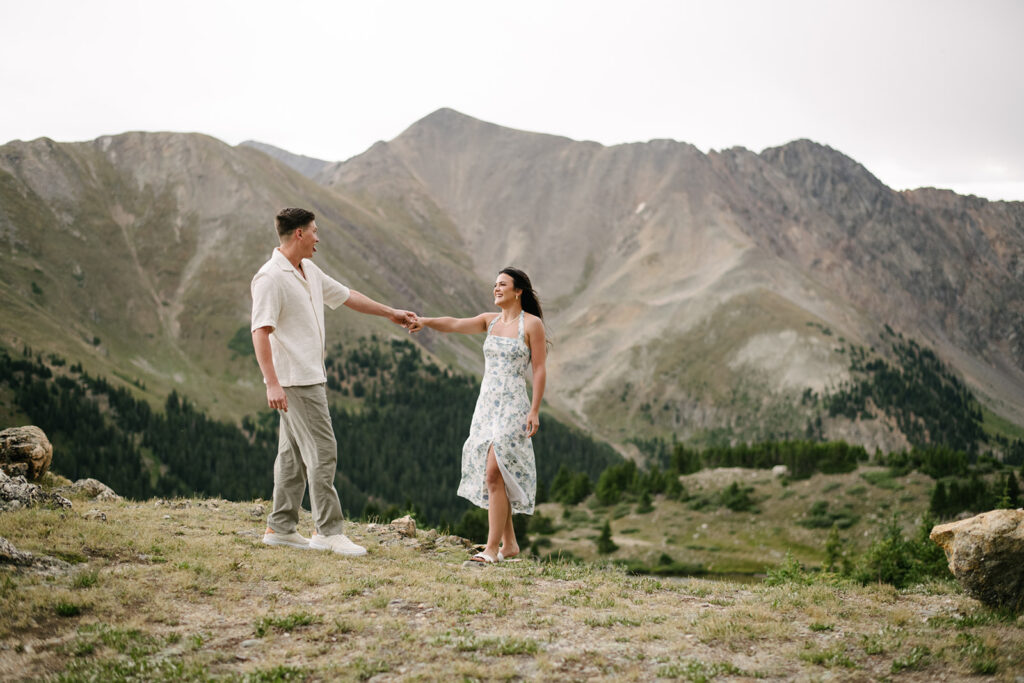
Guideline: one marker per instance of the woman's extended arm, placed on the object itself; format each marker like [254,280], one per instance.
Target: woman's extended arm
[473,325]
[538,356]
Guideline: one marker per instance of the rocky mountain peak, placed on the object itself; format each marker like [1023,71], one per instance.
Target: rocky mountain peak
[821,170]
[307,166]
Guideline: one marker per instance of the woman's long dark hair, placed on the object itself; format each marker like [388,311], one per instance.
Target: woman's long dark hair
[528,299]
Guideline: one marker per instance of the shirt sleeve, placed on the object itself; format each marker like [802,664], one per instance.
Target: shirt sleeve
[335,293]
[266,302]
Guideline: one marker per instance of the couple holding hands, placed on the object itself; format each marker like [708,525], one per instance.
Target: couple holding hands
[498,471]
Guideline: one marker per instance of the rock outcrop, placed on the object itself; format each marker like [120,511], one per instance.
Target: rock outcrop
[17,493]
[25,451]
[986,555]
[11,555]
[90,488]
[39,564]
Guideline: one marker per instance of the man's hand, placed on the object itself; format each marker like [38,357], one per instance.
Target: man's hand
[276,398]
[416,325]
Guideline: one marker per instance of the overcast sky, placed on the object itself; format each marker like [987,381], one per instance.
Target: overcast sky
[923,93]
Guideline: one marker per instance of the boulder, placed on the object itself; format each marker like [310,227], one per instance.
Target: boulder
[17,493]
[405,526]
[25,451]
[93,488]
[780,471]
[90,488]
[986,555]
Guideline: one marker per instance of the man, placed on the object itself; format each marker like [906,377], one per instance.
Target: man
[288,297]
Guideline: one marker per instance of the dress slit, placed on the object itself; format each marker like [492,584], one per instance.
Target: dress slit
[516,496]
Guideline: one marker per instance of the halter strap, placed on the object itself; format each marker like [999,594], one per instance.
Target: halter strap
[522,326]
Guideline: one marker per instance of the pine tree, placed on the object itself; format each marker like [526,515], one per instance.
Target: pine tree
[1013,489]
[939,501]
[645,504]
[605,544]
[1005,502]
[833,550]
[561,484]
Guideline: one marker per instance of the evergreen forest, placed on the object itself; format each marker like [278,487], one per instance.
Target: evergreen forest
[400,422]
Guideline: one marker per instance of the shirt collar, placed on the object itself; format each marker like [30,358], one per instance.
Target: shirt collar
[281,260]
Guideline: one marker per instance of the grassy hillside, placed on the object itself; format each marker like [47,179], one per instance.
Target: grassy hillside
[183,590]
[708,536]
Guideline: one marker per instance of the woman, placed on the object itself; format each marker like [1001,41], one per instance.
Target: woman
[498,470]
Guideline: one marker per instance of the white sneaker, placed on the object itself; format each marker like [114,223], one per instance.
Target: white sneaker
[292,540]
[338,543]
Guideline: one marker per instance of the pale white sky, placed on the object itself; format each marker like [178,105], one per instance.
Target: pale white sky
[922,92]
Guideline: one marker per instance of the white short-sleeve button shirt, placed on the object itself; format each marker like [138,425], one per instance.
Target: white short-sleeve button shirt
[294,306]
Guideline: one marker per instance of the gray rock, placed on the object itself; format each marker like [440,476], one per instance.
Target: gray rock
[37,564]
[258,511]
[986,555]
[780,471]
[25,451]
[251,642]
[92,488]
[455,541]
[95,515]
[11,555]
[17,492]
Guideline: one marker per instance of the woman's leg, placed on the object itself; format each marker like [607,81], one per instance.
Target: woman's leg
[509,545]
[498,506]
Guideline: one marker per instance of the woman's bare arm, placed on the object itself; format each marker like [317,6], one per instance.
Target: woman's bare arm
[535,338]
[474,325]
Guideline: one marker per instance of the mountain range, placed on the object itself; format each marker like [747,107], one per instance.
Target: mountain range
[688,295]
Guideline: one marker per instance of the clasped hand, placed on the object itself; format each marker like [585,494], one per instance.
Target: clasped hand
[407,319]
[415,325]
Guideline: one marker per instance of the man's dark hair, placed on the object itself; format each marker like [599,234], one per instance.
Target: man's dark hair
[290,219]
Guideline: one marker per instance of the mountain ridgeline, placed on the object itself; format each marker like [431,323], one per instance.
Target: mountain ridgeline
[712,299]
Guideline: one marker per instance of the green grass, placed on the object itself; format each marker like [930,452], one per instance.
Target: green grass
[882,479]
[916,659]
[997,425]
[982,658]
[830,657]
[64,608]
[697,671]
[284,624]
[86,579]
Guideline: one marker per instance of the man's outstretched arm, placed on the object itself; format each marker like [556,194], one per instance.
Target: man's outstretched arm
[363,304]
[276,398]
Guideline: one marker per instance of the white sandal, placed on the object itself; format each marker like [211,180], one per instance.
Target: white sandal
[484,558]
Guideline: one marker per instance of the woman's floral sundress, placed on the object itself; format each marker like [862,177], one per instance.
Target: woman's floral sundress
[500,419]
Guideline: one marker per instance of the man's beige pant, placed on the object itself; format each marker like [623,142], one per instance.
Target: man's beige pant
[306,449]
